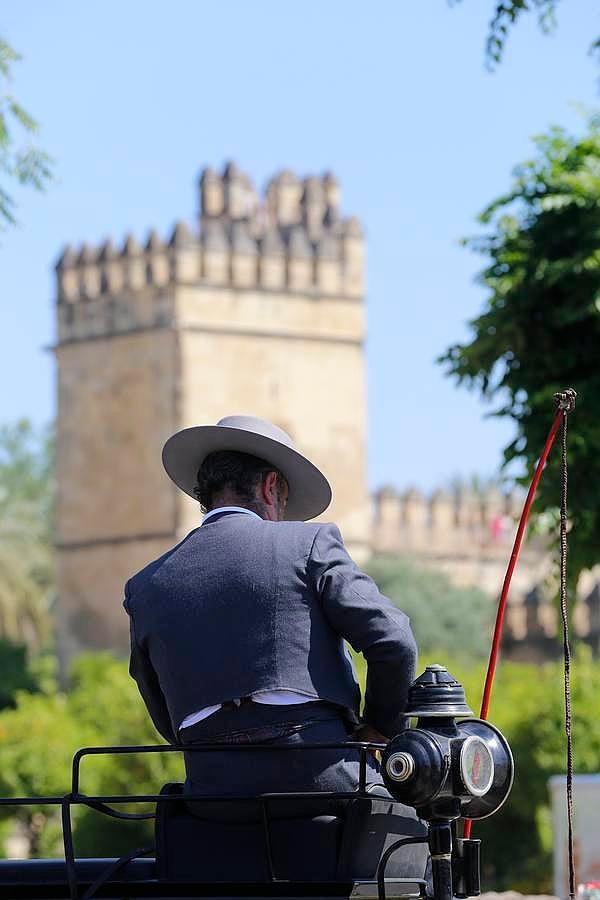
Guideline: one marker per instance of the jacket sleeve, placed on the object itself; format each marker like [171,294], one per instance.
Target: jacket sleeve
[143,673]
[372,625]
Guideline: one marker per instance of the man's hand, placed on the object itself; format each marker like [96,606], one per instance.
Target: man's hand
[368,735]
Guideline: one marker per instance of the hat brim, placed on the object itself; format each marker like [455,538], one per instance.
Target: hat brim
[184,453]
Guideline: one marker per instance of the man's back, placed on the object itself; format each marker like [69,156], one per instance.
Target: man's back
[245,605]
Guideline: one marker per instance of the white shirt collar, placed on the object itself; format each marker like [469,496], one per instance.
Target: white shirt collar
[222,509]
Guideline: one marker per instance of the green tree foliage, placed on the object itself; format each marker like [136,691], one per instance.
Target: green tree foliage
[444,618]
[20,160]
[37,742]
[529,707]
[26,552]
[505,16]
[15,674]
[40,735]
[540,328]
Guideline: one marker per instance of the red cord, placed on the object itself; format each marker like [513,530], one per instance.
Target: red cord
[491,670]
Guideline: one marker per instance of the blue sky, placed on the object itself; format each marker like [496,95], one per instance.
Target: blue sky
[134,98]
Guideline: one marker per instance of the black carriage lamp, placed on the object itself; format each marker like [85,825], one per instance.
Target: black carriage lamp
[448,769]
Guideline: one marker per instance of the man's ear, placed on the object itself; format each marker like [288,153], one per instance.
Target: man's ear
[269,491]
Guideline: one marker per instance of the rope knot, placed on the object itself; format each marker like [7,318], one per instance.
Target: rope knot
[565,400]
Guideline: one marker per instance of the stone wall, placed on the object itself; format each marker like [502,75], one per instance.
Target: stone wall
[469,535]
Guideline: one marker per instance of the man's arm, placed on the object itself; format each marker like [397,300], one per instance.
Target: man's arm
[371,624]
[142,671]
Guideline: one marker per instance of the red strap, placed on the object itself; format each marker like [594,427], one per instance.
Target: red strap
[491,670]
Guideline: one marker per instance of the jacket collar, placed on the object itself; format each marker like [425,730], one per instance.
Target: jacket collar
[223,511]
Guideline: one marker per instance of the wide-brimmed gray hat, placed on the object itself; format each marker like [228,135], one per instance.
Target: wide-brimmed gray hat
[185,451]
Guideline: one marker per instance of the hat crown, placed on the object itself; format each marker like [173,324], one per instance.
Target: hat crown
[258,426]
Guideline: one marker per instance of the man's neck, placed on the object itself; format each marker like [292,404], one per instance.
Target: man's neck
[229,500]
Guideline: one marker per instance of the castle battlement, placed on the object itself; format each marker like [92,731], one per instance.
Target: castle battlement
[468,535]
[460,521]
[291,239]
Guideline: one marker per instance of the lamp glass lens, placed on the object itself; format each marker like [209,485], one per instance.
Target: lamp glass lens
[476,766]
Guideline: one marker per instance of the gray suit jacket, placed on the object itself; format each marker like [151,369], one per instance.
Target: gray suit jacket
[243,605]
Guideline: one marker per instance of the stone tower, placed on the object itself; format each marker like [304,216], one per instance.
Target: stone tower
[258,311]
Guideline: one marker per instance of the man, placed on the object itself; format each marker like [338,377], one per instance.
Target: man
[237,633]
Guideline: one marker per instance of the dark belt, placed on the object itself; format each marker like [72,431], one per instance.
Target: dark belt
[235,704]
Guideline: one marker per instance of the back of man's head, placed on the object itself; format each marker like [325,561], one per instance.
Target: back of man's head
[231,478]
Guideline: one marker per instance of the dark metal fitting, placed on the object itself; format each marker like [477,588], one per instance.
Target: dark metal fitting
[565,400]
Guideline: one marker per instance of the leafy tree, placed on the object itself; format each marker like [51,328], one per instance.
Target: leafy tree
[505,16]
[20,160]
[37,742]
[529,707]
[39,737]
[444,618]
[540,329]
[26,553]
[103,696]
[15,674]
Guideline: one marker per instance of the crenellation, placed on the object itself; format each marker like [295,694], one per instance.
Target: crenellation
[240,252]
[415,517]
[442,515]
[292,239]
[87,255]
[240,200]
[67,276]
[157,261]
[328,273]
[181,235]
[134,267]
[299,260]
[513,503]
[297,216]
[353,257]
[314,206]
[459,521]
[111,269]
[184,252]
[493,504]
[107,252]
[271,260]
[89,272]
[283,196]
[215,252]
[387,518]
[331,190]
[244,256]
[468,510]
[212,195]
[67,259]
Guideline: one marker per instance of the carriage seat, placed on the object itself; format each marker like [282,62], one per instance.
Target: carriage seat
[309,840]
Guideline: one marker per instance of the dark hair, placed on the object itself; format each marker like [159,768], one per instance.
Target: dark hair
[240,472]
